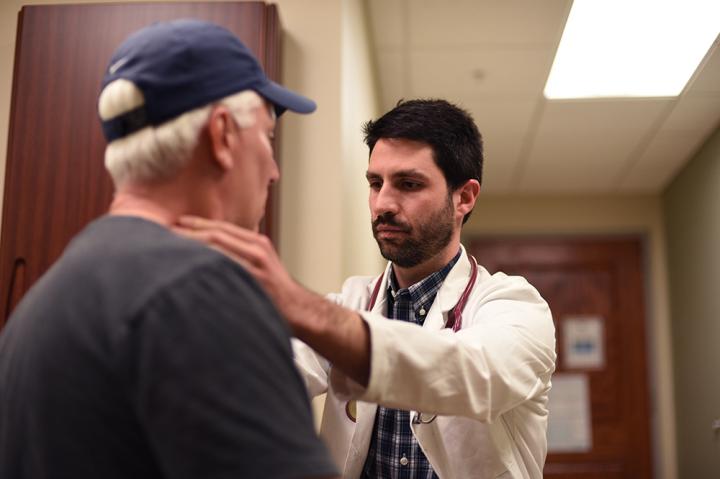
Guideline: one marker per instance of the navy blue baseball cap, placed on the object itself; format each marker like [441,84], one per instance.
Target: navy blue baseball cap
[186,64]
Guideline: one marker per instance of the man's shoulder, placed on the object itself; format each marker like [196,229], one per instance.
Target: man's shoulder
[171,266]
[132,241]
[117,263]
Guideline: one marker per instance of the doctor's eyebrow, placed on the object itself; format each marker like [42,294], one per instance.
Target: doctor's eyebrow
[372,176]
[409,173]
[400,175]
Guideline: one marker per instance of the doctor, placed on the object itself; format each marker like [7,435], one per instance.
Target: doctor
[435,368]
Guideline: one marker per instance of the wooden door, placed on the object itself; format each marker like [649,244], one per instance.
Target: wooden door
[600,279]
[55,179]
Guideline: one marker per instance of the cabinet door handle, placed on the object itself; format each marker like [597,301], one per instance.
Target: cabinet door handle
[16,287]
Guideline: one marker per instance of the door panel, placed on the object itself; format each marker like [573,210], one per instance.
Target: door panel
[55,180]
[599,278]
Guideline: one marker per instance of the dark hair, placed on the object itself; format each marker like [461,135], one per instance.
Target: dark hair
[449,130]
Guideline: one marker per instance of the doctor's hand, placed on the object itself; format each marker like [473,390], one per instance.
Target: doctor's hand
[337,333]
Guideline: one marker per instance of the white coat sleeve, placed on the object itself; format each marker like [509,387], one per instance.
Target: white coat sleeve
[504,357]
[313,367]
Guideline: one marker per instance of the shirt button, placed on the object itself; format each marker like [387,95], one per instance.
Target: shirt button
[404,461]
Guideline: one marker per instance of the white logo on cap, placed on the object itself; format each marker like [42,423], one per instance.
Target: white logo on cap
[116,66]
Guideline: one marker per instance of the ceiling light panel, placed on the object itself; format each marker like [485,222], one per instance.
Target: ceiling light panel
[632,48]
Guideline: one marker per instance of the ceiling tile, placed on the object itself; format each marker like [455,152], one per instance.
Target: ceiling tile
[707,79]
[666,154]
[585,145]
[570,159]
[597,116]
[649,178]
[687,127]
[694,111]
[500,119]
[503,126]
[501,158]
[570,178]
[485,73]
[497,22]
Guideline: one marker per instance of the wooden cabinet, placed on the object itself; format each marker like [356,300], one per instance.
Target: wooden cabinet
[55,179]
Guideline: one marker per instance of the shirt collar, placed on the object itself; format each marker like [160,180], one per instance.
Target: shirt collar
[426,287]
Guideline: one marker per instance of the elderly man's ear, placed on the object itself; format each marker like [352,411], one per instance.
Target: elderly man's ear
[222,129]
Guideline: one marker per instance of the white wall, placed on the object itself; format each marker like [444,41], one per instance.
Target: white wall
[360,103]
[693,234]
[310,186]
[324,224]
[606,215]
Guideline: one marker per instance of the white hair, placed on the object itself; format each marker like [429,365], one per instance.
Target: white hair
[158,152]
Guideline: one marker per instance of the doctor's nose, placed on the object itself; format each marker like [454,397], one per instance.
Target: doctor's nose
[383,201]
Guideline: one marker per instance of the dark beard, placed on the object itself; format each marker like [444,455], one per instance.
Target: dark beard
[419,246]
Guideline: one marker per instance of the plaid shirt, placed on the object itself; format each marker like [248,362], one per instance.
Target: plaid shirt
[394,452]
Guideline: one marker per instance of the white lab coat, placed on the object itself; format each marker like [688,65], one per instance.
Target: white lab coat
[488,383]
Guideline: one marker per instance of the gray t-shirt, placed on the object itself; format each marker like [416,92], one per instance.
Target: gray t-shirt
[143,354]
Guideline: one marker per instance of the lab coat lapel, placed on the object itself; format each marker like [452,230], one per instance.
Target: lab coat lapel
[381,300]
[360,443]
[449,293]
[366,411]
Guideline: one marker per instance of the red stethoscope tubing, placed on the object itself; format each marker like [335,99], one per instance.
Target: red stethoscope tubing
[454,319]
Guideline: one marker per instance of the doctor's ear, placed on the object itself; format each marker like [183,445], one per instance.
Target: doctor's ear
[466,195]
[221,129]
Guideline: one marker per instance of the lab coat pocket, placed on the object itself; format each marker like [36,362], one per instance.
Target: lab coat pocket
[472,450]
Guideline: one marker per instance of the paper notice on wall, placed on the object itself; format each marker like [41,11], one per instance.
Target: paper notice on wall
[570,421]
[583,342]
